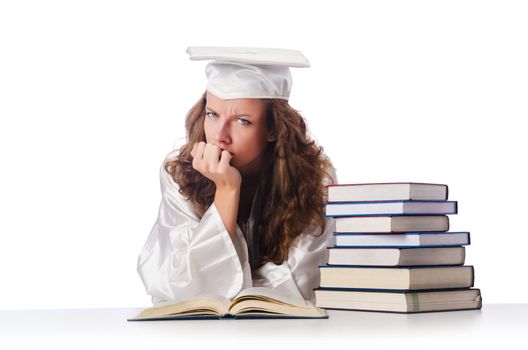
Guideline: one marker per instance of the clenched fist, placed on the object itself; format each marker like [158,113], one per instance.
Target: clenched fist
[213,162]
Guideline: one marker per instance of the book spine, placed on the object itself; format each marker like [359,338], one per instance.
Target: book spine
[402,312]
[395,291]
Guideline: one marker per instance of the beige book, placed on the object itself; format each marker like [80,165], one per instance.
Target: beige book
[402,302]
[256,302]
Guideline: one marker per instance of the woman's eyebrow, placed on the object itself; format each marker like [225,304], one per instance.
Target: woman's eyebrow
[236,113]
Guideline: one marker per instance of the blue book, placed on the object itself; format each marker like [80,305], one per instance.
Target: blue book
[397,278]
[399,240]
[225,317]
[391,208]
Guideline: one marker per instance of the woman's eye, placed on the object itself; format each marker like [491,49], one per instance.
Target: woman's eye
[211,116]
[244,121]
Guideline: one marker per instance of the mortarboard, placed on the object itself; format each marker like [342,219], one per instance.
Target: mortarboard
[248,72]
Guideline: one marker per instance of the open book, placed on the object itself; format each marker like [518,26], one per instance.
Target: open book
[256,302]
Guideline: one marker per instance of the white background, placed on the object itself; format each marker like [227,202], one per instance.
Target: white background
[93,94]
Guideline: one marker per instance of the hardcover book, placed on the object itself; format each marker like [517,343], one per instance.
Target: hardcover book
[391,208]
[396,256]
[397,278]
[386,192]
[400,302]
[385,224]
[407,239]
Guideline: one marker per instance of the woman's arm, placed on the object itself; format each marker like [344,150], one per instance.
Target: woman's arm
[186,256]
[226,201]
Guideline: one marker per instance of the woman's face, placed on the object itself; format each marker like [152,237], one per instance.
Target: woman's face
[239,127]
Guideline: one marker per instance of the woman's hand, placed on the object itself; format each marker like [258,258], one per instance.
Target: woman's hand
[213,163]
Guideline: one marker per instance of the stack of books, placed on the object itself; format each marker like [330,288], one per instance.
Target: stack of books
[393,251]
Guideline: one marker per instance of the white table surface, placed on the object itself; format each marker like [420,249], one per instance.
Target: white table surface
[494,325]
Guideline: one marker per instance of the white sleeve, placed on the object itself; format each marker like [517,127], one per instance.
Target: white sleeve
[299,274]
[185,256]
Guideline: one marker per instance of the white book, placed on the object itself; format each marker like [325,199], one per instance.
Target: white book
[386,191]
[408,239]
[391,208]
[365,224]
[397,278]
[396,256]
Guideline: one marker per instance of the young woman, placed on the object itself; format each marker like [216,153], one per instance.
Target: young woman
[242,200]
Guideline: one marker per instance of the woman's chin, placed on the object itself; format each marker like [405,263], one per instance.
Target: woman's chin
[248,169]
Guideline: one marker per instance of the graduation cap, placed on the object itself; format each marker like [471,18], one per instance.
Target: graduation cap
[248,72]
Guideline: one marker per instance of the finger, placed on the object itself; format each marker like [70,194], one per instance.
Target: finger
[199,151]
[212,156]
[225,159]
[193,150]
[198,156]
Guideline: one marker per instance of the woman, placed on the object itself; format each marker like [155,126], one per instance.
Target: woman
[242,199]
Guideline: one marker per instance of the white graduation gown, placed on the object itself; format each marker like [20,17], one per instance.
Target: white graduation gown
[186,256]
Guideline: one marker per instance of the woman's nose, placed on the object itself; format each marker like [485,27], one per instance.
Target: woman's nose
[222,134]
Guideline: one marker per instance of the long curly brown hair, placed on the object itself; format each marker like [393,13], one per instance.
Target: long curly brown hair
[291,192]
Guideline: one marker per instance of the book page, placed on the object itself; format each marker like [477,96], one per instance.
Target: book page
[261,300]
[198,306]
[264,293]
